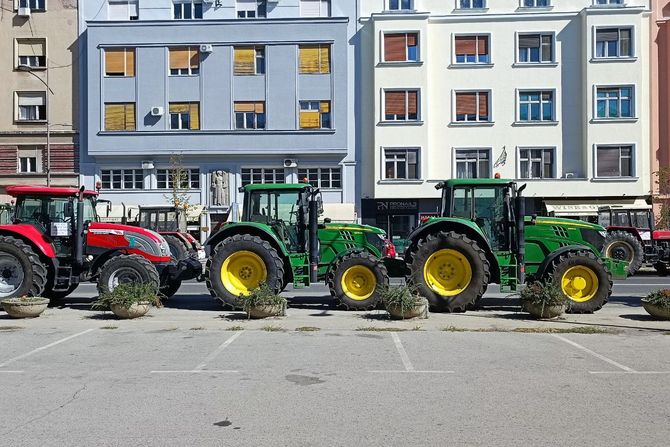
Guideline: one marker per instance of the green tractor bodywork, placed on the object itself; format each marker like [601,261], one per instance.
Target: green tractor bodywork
[485,237]
[280,241]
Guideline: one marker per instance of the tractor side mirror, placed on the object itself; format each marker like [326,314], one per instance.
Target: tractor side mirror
[533,219]
[68,209]
[327,220]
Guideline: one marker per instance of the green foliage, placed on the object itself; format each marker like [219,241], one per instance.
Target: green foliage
[404,297]
[263,295]
[128,294]
[545,293]
[660,298]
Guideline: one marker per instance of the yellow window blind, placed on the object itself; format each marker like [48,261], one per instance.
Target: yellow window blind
[325,106]
[245,61]
[120,62]
[310,119]
[314,59]
[324,59]
[120,116]
[193,110]
[130,116]
[130,62]
[248,107]
[179,58]
[31,47]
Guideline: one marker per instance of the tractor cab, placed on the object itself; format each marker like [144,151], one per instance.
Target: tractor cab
[163,219]
[639,219]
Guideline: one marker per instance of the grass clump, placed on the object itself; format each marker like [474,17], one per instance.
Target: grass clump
[263,295]
[235,328]
[658,298]
[125,295]
[271,328]
[400,299]
[563,330]
[109,327]
[307,329]
[380,329]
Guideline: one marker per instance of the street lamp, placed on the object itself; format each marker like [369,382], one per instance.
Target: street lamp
[29,69]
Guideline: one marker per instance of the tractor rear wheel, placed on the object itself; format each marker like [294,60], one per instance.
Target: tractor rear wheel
[584,280]
[450,270]
[125,269]
[355,280]
[178,249]
[239,264]
[624,246]
[21,271]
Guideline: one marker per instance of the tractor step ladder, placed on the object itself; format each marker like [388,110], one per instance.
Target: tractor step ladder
[63,278]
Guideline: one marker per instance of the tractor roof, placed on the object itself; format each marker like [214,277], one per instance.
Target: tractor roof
[276,186]
[475,182]
[26,190]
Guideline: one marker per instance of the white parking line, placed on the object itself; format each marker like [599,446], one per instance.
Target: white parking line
[50,345]
[11,372]
[201,367]
[407,363]
[595,354]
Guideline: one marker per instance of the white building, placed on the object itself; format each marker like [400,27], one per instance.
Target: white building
[550,92]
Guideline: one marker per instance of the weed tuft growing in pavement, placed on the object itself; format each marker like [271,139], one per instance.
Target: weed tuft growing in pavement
[109,327]
[380,329]
[10,328]
[235,328]
[564,330]
[307,329]
[199,328]
[270,328]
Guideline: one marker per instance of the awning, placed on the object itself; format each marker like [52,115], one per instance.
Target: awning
[339,212]
[194,212]
[587,207]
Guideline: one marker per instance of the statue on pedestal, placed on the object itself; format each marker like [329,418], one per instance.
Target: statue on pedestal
[219,188]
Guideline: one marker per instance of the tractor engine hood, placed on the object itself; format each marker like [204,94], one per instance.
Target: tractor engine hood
[571,231]
[662,235]
[109,235]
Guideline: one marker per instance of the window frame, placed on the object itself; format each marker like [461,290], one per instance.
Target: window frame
[17,5]
[554,164]
[192,178]
[125,60]
[255,116]
[633,100]
[320,70]
[104,116]
[522,5]
[311,102]
[407,119]
[17,107]
[17,57]
[407,150]
[460,7]
[257,15]
[633,161]
[399,8]
[478,122]
[321,2]
[320,170]
[517,49]
[454,164]
[541,121]
[632,43]
[193,9]
[128,8]
[454,56]
[256,49]
[123,172]
[609,4]
[382,54]
[181,127]
[263,171]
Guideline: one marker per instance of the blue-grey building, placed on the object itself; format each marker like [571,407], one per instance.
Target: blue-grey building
[243,90]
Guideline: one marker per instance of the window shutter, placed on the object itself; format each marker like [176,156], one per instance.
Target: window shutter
[115,62]
[394,103]
[31,48]
[412,105]
[115,116]
[394,48]
[529,41]
[179,108]
[324,59]
[608,162]
[309,59]
[310,120]
[466,44]
[194,55]
[259,107]
[130,61]
[194,112]
[466,103]
[482,45]
[244,107]
[130,116]
[325,106]
[31,99]
[245,61]
[483,104]
[310,8]
[607,34]
[179,58]
[412,40]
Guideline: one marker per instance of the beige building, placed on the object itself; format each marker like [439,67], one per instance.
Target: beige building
[38,46]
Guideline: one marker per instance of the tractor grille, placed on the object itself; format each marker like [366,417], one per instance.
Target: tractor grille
[346,235]
[560,232]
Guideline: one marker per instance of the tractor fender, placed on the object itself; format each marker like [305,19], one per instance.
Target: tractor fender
[462,226]
[32,236]
[549,259]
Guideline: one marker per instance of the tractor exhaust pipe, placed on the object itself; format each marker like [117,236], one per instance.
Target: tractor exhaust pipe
[313,230]
[79,230]
[521,235]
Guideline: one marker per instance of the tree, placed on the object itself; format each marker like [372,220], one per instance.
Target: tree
[178,182]
[660,196]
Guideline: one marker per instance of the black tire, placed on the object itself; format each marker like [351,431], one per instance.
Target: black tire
[178,249]
[19,258]
[170,288]
[58,295]
[587,259]
[371,268]
[233,245]
[468,248]
[624,246]
[125,269]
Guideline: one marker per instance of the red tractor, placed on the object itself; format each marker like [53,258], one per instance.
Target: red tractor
[55,241]
[631,237]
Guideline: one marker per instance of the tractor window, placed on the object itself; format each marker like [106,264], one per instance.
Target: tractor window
[29,210]
[274,206]
[90,215]
[620,219]
[490,213]
[462,203]
[640,219]
[604,219]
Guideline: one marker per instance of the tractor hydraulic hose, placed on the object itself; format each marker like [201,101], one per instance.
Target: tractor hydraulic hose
[520,235]
[313,229]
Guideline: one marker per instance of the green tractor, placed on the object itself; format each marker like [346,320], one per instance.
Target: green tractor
[484,236]
[279,240]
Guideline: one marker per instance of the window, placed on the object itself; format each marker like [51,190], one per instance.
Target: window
[536,163]
[31,106]
[251,9]
[472,49]
[190,178]
[119,116]
[30,159]
[473,163]
[608,2]
[122,10]
[471,4]
[314,59]
[122,178]
[187,9]
[402,105]
[536,3]
[536,106]
[184,61]
[614,42]
[27,165]
[185,116]
[614,161]
[315,8]
[120,62]
[249,115]
[472,107]
[401,47]
[249,61]
[39,5]
[262,175]
[536,48]
[400,5]
[614,102]
[31,52]
[325,178]
[401,164]
[315,115]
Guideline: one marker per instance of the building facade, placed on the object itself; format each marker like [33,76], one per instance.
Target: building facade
[38,46]
[241,91]
[552,93]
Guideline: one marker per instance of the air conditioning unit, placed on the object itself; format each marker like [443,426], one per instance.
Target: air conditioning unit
[206,48]
[569,175]
[289,163]
[24,12]
[157,111]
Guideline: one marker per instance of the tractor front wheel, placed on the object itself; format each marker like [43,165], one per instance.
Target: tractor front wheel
[355,280]
[450,270]
[178,249]
[624,246]
[125,269]
[21,271]
[240,264]
[584,280]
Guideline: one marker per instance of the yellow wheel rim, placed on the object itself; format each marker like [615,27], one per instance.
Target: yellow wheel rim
[447,272]
[579,283]
[358,282]
[243,271]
